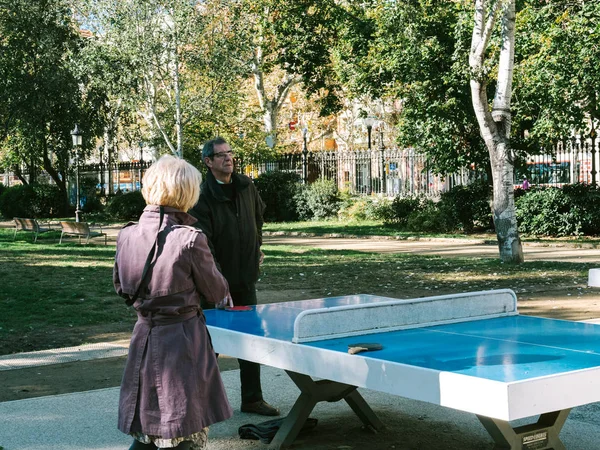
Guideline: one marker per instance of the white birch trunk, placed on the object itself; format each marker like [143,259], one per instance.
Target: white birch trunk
[495,124]
[177,89]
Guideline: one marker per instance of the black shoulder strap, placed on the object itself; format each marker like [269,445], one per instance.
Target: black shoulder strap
[132,300]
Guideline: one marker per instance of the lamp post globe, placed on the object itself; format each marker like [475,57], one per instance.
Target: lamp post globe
[369,121]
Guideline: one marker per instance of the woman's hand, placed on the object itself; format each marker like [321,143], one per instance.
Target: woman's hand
[227,302]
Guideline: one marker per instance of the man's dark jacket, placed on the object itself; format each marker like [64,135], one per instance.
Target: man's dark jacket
[233,228]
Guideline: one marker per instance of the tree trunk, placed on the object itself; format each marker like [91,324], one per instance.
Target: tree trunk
[270,106]
[495,124]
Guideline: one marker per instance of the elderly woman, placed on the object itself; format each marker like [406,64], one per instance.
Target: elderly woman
[171,389]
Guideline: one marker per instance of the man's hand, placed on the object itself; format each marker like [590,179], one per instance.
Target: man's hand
[227,302]
[261,258]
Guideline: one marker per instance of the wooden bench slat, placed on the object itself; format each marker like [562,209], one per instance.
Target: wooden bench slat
[80,229]
[30,225]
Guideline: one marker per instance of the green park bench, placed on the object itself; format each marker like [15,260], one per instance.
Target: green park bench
[30,225]
[80,229]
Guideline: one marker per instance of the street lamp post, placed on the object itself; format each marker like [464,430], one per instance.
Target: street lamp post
[77,141]
[382,151]
[141,162]
[102,186]
[304,155]
[369,121]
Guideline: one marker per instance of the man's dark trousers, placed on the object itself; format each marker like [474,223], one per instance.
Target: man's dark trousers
[249,371]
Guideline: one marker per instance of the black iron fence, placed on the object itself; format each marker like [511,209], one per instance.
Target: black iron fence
[389,172]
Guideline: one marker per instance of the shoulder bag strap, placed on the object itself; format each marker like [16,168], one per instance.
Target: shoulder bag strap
[148,263]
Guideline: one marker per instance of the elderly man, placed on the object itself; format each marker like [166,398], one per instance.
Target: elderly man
[230,213]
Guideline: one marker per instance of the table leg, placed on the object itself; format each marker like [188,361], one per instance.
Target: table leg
[313,392]
[541,435]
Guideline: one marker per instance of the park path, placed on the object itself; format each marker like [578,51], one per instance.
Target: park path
[440,247]
[474,248]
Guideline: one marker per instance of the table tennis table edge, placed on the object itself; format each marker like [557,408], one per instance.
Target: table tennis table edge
[496,399]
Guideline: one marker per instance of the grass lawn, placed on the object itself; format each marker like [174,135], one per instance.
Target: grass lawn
[60,295]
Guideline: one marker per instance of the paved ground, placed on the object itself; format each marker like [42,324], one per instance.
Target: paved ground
[87,420]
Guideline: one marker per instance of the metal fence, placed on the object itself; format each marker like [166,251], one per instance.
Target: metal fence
[390,172]
[565,162]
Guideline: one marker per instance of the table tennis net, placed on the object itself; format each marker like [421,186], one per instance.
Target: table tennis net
[355,320]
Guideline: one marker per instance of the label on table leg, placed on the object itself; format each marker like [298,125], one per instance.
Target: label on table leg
[535,440]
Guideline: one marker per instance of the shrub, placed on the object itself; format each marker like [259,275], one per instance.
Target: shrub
[431,218]
[469,206]
[127,206]
[318,200]
[278,191]
[362,208]
[38,200]
[89,195]
[585,205]
[401,208]
[547,212]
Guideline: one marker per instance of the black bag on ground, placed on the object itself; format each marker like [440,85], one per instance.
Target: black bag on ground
[266,431]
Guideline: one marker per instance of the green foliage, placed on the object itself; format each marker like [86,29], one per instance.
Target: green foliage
[430,219]
[39,200]
[89,195]
[278,190]
[362,208]
[585,201]
[547,212]
[318,200]
[468,206]
[401,208]
[127,206]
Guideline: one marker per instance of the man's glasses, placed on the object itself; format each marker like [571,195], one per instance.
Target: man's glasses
[222,155]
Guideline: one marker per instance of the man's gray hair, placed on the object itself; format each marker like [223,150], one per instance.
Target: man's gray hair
[209,148]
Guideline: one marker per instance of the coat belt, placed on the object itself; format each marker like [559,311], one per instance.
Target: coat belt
[153,319]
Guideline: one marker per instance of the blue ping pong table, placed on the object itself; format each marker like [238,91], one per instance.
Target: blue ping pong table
[455,351]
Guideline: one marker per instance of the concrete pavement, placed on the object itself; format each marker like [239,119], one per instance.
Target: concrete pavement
[87,420]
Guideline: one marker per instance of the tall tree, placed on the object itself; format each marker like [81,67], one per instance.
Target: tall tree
[556,73]
[183,60]
[494,122]
[39,89]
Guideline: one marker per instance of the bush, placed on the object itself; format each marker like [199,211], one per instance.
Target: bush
[38,200]
[278,191]
[469,206]
[401,208]
[585,204]
[547,212]
[318,200]
[431,218]
[360,208]
[127,206]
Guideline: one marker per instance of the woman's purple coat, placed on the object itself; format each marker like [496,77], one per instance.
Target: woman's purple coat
[171,386]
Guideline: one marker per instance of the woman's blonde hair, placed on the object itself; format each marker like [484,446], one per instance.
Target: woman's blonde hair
[172,182]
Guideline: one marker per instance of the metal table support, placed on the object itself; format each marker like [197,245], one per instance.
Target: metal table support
[313,392]
[541,435]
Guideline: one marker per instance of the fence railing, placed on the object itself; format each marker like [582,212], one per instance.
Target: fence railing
[389,172]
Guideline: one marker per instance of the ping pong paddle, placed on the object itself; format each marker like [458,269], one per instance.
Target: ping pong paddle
[239,308]
[353,349]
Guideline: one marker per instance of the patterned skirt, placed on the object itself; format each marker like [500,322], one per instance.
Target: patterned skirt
[199,440]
